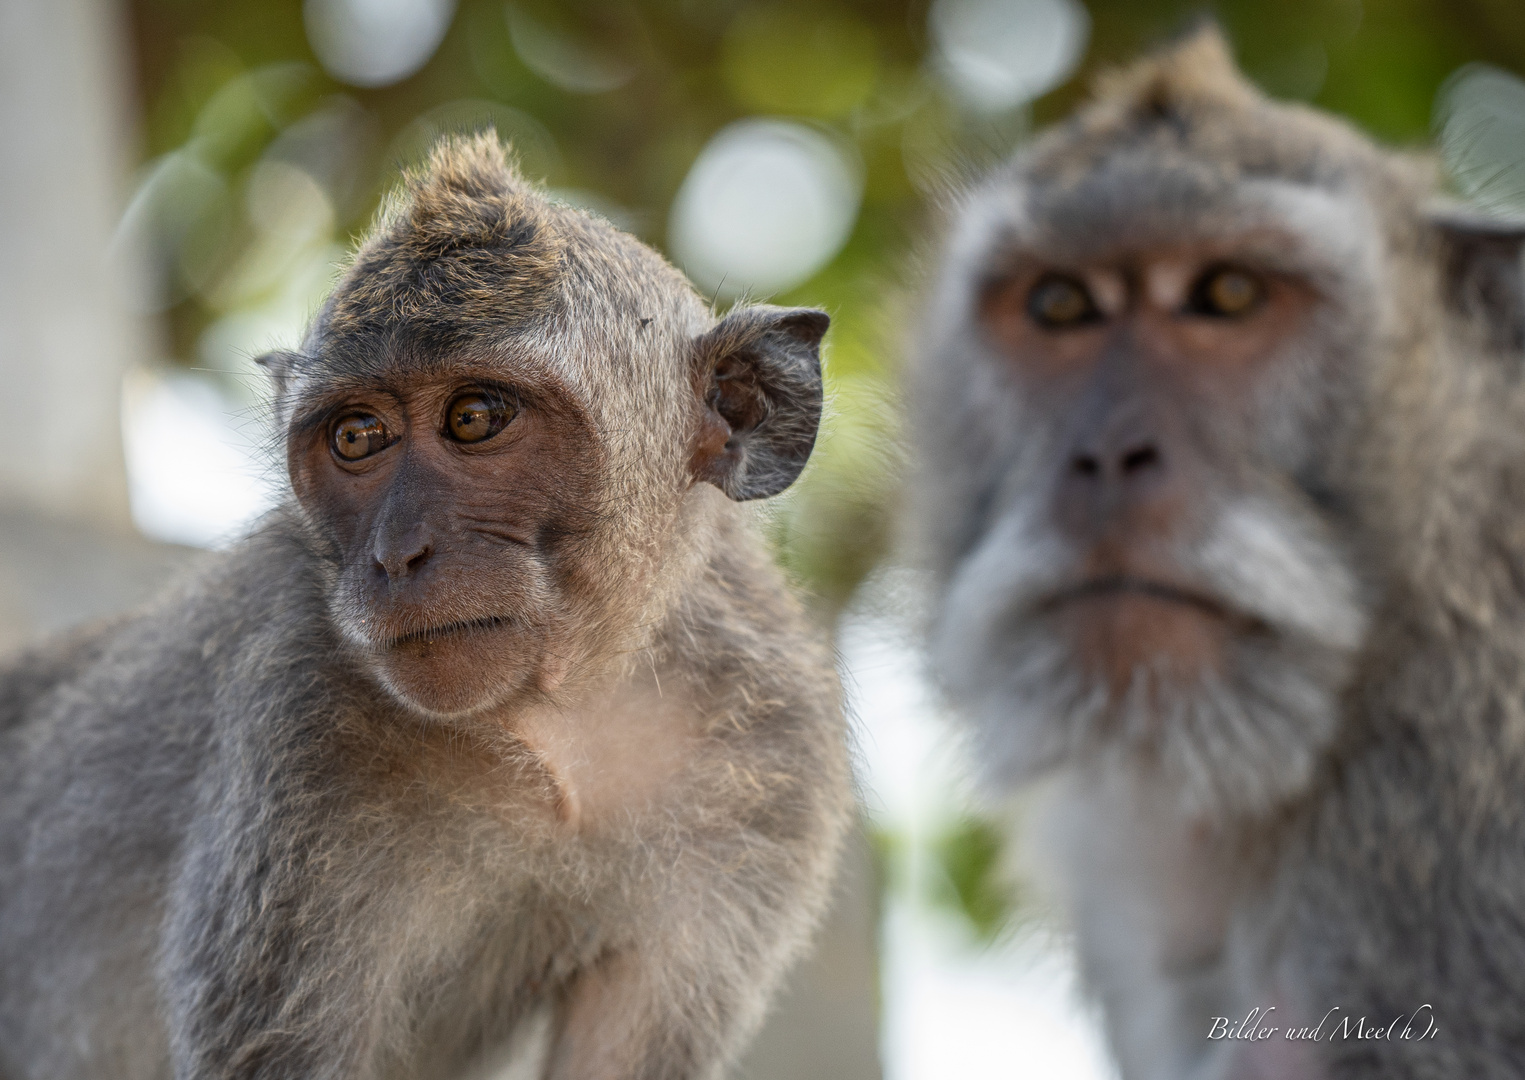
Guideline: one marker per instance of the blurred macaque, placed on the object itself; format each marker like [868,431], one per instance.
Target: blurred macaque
[1223,431]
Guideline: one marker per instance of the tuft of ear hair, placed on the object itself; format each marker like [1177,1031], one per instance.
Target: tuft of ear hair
[760,369]
[1481,270]
[281,366]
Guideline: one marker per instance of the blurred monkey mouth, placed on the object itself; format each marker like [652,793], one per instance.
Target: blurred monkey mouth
[1119,626]
[1118,586]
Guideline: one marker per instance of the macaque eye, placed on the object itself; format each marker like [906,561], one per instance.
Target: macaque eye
[1059,302]
[475,416]
[1226,291]
[359,435]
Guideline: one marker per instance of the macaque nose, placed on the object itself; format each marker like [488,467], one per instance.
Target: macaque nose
[400,557]
[1132,463]
[1108,477]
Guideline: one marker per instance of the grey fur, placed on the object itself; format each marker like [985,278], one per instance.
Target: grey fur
[1336,820]
[229,849]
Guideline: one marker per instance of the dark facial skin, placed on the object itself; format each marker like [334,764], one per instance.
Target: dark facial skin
[455,501]
[1133,354]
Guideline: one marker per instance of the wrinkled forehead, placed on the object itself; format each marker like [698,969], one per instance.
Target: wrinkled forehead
[574,302]
[1125,210]
[394,359]
[588,354]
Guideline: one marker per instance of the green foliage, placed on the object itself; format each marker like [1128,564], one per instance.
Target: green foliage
[958,869]
[791,63]
[969,855]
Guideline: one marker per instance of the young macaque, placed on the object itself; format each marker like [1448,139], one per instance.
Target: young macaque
[505,712]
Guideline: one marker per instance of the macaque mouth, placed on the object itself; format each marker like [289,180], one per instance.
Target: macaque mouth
[434,633]
[1121,585]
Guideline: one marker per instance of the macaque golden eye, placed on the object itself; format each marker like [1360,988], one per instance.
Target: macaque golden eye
[476,416]
[1226,291]
[360,435]
[1057,302]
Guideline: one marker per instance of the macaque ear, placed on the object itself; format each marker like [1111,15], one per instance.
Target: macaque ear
[1481,270]
[759,374]
[282,367]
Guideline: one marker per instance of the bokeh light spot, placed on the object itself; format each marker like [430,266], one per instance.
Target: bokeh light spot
[173,229]
[562,60]
[375,42]
[197,473]
[766,205]
[998,54]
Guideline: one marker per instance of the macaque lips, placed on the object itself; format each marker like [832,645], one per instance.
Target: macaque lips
[1124,629]
[460,666]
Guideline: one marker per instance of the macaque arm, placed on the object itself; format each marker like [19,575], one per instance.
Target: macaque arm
[264,976]
[680,1001]
[632,1018]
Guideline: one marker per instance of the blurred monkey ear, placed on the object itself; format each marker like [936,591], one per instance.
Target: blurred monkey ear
[759,373]
[1480,265]
[281,366]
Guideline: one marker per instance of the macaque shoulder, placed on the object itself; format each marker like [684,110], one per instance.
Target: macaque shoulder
[736,670]
[27,678]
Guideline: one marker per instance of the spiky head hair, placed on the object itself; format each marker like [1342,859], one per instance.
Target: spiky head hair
[1190,99]
[466,246]
[463,234]
[1180,146]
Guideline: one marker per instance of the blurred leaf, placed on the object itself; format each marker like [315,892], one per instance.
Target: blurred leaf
[969,854]
[246,112]
[788,62]
[1480,113]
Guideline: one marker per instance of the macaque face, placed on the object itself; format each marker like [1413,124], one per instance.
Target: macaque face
[1133,355]
[1148,559]
[456,497]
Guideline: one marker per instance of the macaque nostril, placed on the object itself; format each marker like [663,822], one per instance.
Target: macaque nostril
[396,566]
[1139,459]
[1085,465]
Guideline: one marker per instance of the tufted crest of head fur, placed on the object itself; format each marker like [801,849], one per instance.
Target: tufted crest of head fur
[467,257]
[464,234]
[1196,72]
[1189,101]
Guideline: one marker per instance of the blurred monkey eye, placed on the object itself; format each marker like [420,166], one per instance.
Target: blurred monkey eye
[1060,302]
[359,435]
[1226,291]
[475,416]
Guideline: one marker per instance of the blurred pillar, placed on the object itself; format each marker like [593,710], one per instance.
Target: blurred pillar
[65,335]
[826,1024]
[67,550]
